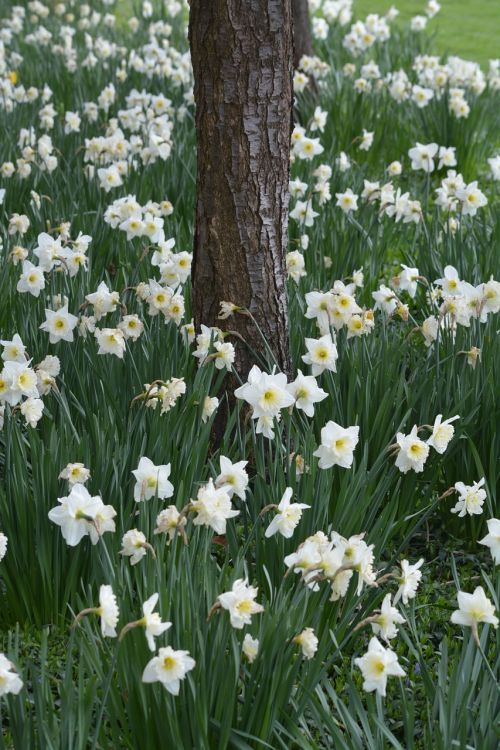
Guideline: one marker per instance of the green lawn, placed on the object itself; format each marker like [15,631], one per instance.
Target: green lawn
[468,28]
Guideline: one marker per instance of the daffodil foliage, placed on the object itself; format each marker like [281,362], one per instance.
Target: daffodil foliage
[325,575]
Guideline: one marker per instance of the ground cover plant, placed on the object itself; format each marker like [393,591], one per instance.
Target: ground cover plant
[326,574]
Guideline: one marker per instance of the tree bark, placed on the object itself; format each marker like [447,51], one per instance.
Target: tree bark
[242,61]
[302,39]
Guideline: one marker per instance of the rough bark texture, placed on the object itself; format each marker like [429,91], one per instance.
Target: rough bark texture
[302,39]
[242,60]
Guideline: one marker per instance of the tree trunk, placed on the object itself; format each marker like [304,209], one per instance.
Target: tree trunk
[242,60]
[302,39]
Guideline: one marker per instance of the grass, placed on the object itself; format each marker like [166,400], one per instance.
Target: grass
[83,690]
[463,27]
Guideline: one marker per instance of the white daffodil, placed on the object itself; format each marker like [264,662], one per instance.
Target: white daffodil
[321,354]
[408,580]
[308,642]
[250,648]
[103,300]
[320,306]
[152,621]
[450,283]
[103,521]
[422,156]
[430,330]
[45,382]
[295,265]
[304,213]
[169,668]
[265,393]
[473,609]
[110,341]
[108,611]
[59,325]
[224,356]
[75,514]
[357,555]
[377,665]
[288,516]
[169,521]
[14,351]
[49,251]
[233,477]
[408,280]
[491,540]
[152,481]
[447,157]
[385,300]
[471,198]
[3,545]
[306,393]
[20,381]
[412,452]
[131,327]
[337,445]
[213,507]
[240,603]
[134,546]
[347,201]
[75,473]
[307,148]
[210,405]
[491,296]
[306,559]
[153,228]
[442,433]
[32,410]
[386,622]
[471,498]
[344,307]
[10,682]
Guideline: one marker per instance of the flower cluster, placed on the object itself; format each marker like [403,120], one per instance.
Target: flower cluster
[22,385]
[97,264]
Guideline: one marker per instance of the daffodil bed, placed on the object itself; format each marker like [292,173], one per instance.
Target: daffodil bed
[325,577]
